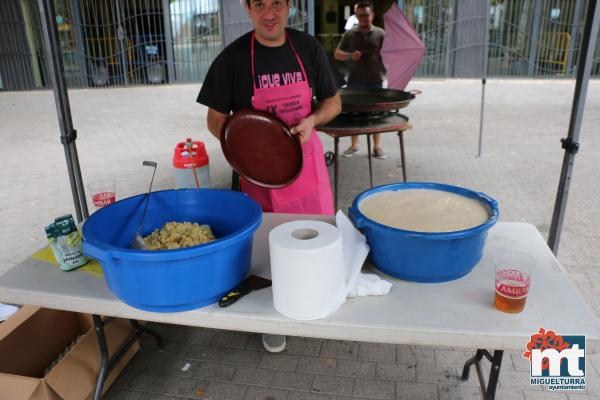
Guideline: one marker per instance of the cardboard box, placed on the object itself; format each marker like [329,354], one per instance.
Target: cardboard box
[34,337]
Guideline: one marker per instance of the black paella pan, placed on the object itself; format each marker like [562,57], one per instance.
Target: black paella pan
[375,100]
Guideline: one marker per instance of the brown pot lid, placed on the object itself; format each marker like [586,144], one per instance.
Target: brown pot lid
[261,148]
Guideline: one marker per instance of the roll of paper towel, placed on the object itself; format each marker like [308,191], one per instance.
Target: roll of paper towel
[307,269]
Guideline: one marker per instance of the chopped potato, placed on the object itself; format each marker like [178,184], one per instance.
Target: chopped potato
[177,235]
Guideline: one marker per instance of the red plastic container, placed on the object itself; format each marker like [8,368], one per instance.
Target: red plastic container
[191,171]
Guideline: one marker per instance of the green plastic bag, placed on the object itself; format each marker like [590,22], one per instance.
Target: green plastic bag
[66,243]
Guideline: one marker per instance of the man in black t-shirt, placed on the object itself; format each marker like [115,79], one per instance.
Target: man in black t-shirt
[228,83]
[278,70]
[361,47]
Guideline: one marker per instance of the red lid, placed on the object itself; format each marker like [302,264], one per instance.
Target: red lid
[182,159]
[261,148]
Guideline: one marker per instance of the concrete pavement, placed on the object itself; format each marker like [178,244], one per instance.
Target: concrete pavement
[520,167]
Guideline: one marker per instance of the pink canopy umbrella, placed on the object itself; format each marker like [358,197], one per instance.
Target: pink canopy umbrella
[402,49]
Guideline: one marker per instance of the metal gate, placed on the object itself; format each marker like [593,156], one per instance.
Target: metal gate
[527,38]
[22,62]
[122,42]
[135,42]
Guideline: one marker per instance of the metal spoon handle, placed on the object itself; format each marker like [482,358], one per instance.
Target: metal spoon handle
[190,148]
[147,164]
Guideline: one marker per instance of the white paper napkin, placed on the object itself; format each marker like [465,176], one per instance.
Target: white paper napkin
[6,310]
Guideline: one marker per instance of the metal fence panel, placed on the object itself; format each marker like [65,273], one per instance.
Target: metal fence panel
[134,42]
[19,62]
[527,38]
[432,20]
[197,38]
[467,40]
[123,42]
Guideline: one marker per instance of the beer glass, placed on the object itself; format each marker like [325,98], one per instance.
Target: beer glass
[102,193]
[513,279]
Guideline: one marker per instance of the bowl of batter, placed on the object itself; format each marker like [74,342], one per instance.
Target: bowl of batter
[424,232]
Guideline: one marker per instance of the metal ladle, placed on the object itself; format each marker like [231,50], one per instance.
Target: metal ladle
[190,148]
[138,240]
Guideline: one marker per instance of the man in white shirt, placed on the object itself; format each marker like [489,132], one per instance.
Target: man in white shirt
[352,21]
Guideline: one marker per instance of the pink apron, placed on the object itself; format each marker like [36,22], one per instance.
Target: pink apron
[311,192]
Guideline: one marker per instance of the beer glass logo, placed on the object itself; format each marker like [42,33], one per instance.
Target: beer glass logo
[557,361]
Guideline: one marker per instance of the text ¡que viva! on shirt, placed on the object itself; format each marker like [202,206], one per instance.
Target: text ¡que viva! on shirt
[277,79]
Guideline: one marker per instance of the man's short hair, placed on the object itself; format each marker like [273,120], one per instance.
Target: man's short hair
[365,4]
[250,1]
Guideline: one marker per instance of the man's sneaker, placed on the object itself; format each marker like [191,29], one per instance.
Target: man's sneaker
[349,152]
[273,343]
[378,153]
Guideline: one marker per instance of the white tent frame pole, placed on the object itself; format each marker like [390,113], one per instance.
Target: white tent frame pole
[570,143]
[486,45]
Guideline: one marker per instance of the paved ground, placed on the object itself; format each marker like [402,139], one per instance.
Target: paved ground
[118,128]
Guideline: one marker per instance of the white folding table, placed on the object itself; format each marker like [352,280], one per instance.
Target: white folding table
[458,313]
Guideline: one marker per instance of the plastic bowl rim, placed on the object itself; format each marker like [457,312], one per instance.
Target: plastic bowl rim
[492,205]
[186,252]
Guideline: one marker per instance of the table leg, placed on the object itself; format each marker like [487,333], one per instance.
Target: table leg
[402,159]
[106,363]
[142,329]
[103,371]
[369,154]
[488,391]
[336,145]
